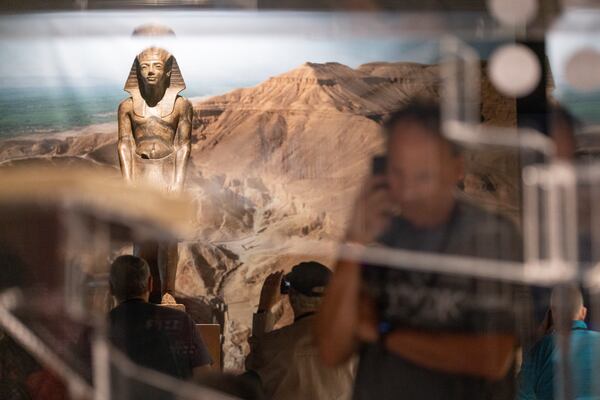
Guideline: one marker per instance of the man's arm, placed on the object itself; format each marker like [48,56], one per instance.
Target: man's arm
[264,319]
[126,143]
[337,319]
[484,355]
[489,356]
[182,142]
[346,315]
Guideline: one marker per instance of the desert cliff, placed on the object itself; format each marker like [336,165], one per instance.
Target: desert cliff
[277,164]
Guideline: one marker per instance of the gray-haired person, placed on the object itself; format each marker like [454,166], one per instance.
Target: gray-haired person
[154,336]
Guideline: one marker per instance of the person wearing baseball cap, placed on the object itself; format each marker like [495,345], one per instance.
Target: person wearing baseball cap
[286,359]
[309,278]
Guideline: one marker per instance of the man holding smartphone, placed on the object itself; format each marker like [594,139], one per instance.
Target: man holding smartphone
[422,335]
[286,359]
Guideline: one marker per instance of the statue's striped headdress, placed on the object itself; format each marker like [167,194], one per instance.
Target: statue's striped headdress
[176,83]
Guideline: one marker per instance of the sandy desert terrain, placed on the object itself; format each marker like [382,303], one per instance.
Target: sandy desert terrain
[274,170]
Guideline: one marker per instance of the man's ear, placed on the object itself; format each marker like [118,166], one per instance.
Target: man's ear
[150,282]
[583,313]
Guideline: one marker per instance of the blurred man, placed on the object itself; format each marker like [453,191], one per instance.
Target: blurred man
[153,336]
[537,378]
[422,335]
[286,359]
[563,128]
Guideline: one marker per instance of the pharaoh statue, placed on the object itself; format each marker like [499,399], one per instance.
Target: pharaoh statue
[155,125]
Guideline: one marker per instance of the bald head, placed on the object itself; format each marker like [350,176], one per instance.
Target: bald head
[567,301]
[129,278]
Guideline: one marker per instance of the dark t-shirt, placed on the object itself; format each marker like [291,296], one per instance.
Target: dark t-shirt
[440,303]
[158,337]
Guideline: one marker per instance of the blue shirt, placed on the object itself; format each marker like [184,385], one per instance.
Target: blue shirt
[537,372]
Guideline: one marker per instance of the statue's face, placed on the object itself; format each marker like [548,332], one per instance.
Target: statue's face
[152,70]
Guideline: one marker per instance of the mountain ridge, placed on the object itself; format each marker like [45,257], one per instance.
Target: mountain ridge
[272,166]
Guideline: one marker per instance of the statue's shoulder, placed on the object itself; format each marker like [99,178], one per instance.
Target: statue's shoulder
[182,104]
[126,105]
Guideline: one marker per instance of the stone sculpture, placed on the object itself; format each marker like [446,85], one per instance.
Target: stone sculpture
[155,125]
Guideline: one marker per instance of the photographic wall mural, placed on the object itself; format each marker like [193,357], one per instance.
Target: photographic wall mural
[287,108]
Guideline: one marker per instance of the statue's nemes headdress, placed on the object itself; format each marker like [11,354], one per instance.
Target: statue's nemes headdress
[176,83]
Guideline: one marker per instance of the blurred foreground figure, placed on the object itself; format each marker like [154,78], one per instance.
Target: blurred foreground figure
[422,335]
[537,378]
[153,336]
[286,359]
[21,376]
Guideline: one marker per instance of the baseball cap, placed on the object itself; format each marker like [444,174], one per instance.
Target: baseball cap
[309,278]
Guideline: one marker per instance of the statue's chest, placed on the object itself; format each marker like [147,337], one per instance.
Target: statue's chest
[154,126]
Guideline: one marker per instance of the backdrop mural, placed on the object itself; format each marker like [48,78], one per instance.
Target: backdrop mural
[286,116]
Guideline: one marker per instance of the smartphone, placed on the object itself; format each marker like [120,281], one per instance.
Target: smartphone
[379,165]
[285,286]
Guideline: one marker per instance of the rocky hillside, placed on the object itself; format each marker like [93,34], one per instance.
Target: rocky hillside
[274,170]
